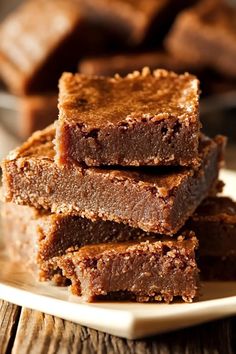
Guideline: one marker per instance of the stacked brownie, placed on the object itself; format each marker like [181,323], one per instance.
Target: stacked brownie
[106,199]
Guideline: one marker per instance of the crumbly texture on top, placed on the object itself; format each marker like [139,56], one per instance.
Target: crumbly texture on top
[96,102]
[143,119]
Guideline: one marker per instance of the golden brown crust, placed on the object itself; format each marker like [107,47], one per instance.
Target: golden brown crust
[98,101]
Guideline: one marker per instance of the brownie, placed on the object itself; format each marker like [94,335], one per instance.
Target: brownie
[214,223]
[37,237]
[37,233]
[150,270]
[123,64]
[142,119]
[206,35]
[36,112]
[40,39]
[155,200]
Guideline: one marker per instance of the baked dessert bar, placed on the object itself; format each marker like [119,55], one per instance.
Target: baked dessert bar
[142,119]
[156,200]
[40,39]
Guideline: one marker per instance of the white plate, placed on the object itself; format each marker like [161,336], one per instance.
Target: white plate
[124,319]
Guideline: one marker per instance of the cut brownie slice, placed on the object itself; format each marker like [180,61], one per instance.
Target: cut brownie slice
[141,271]
[157,200]
[37,236]
[214,223]
[206,36]
[141,119]
[41,39]
[149,270]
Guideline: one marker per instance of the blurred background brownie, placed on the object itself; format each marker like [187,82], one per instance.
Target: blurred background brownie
[136,21]
[206,36]
[128,62]
[36,112]
[40,40]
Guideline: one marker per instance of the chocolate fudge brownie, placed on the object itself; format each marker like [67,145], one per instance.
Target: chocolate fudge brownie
[136,21]
[36,112]
[155,200]
[141,271]
[27,228]
[206,35]
[168,265]
[38,236]
[214,223]
[39,40]
[142,119]
[123,64]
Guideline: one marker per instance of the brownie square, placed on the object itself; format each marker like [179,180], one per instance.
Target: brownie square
[151,270]
[167,265]
[36,237]
[206,36]
[156,200]
[142,119]
[40,39]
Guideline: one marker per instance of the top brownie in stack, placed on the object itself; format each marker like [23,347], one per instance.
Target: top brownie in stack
[141,119]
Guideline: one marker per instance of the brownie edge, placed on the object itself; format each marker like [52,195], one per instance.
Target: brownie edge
[140,271]
[142,119]
[153,201]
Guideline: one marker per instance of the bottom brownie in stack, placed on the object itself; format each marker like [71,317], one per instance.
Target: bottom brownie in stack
[98,260]
[98,263]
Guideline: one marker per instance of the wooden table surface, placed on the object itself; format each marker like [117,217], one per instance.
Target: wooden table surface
[25,331]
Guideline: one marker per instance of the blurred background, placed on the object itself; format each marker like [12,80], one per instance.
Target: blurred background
[39,39]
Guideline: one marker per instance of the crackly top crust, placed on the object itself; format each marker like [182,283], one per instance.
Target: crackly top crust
[95,102]
[161,181]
